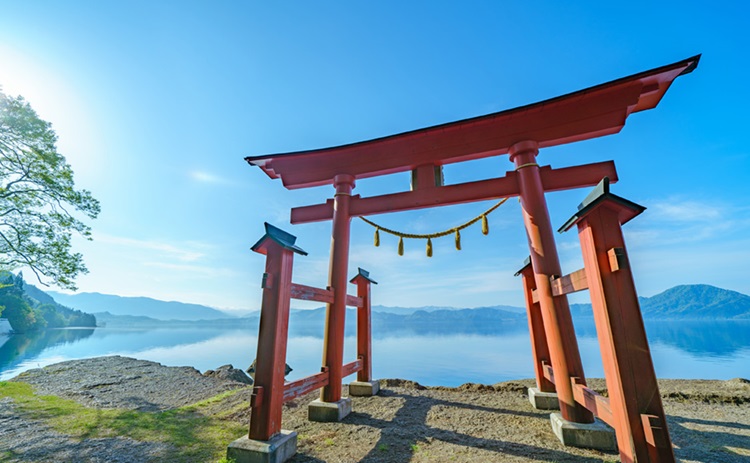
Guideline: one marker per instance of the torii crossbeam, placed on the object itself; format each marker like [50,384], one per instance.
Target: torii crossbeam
[520,133]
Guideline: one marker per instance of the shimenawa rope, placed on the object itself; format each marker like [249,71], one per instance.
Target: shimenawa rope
[456,231]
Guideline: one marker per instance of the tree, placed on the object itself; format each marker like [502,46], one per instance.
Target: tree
[38,198]
[26,313]
[21,316]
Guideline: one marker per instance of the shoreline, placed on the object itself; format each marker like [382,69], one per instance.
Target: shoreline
[679,350]
[709,420]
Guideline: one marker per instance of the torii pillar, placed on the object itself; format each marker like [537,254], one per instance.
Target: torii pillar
[558,323]
[331,406]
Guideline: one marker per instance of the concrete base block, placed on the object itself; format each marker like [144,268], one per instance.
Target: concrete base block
[328,412]
[543,400]
[279,449]
[364,388]
[596,435]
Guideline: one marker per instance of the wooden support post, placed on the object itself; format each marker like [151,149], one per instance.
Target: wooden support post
[558,323]
[268,391]
[539,348]
[364,328]
[333,348]
[638,414]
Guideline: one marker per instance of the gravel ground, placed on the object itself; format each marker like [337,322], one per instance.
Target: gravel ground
[709,421]
[31,441]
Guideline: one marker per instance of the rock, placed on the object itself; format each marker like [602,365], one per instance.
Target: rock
[738,382]
[229,372]
[251,369]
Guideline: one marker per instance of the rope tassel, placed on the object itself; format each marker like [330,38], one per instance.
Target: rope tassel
[456,231]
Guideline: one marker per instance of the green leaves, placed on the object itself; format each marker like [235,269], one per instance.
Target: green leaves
[40,208]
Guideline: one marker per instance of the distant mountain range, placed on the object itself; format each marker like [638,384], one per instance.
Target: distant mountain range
[697,302]
[686,302]
[411,310]
[138,306]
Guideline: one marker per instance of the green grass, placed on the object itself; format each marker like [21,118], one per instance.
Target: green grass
[196,436]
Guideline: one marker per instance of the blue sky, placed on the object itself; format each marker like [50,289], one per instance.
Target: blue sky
[156,104]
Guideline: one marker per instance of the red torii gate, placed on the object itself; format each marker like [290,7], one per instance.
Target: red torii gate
[519,132]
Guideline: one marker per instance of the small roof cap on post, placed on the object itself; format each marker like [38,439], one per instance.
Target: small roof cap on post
[279,236]
[526,263]
[627,209]
[362,273]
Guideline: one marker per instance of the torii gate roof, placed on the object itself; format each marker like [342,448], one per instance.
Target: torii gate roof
[589,113]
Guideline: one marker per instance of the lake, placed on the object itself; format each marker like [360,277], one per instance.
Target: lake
[685,349]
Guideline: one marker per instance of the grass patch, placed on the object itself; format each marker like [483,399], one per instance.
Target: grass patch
[195,434]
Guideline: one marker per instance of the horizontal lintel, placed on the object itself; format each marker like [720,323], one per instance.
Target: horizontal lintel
[309,293]
[549,374]
[354,301]
[351,368]
[552,179]
[572,283]
[593,401]
[567,284]
[303,386]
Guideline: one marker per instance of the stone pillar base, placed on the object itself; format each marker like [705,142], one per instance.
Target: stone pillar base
[328,412]
[364,388]
[278,449]
[596,435]
[543,400]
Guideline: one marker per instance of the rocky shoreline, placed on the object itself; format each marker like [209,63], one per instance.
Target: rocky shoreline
[709,420]
[123,382]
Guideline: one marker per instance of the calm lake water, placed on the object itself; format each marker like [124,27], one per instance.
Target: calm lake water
[687,349]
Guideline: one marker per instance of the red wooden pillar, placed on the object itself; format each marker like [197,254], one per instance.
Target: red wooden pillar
[268,390]
[637,410]
[558,323]
[539,349]
[364,328]
[333,347]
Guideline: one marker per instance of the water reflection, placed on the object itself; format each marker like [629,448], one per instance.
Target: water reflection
[432,354]
[476,321]
[706,338]
[18,348]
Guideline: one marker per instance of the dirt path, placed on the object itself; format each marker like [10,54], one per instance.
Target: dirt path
[709,421]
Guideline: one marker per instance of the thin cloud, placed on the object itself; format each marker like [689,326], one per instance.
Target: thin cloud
[209,178]
[201,270]
[188,253]
[677,221]
[686,211]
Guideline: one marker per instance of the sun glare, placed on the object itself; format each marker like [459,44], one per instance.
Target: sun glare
[55,100]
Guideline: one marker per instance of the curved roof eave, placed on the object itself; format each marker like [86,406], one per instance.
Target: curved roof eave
[584,114]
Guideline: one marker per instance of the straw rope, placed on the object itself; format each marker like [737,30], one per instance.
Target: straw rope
[456,231]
